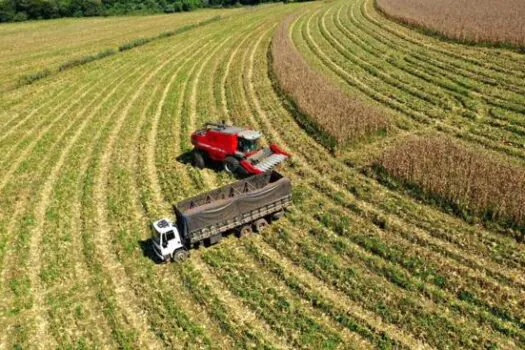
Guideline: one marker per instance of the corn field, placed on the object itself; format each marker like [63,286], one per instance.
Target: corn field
[470,21]
[467,178]
[89,158]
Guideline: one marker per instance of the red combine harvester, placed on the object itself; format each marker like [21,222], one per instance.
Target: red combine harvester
[236,148]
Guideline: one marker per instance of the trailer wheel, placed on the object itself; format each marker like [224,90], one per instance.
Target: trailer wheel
[244,231]
[260,225]
[231,165]
[180,255]
[278,215]
[198,159]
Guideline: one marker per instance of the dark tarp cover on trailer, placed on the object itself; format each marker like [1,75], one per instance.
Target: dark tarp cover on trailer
[227,209]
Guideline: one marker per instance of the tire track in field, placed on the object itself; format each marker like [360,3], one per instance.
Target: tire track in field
[344,74]
[125,299]
[7,130]
[399,105]
[340,300]
[210,180]
[185,127]
[477,96]
[341,168]
[251,96]
[22,202]
[250,91]
[170,278]
[43,336]
[161,207]
[237,310]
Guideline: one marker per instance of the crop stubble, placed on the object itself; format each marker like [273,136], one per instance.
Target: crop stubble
[387,240]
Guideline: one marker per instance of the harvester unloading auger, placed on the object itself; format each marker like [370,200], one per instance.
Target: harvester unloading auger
[236,148]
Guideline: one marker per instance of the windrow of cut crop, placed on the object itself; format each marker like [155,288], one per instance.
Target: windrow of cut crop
[465,181]
[473,21]
[333,117]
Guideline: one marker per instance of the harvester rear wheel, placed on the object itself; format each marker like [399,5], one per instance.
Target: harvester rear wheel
[231,165]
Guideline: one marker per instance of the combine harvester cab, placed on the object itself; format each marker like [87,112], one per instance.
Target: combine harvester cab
[236,148]
[244,206]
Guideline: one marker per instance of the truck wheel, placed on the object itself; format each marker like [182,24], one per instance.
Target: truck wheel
[180,255]
[231,165]
[260,225]
[244,231]
[198,159]
[278,215]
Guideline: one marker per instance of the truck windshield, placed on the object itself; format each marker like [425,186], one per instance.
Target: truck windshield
[170,235]
[246,146]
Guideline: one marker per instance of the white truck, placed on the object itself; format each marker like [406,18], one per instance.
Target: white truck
[243,207]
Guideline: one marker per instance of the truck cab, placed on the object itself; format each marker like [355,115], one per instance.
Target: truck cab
[167,242]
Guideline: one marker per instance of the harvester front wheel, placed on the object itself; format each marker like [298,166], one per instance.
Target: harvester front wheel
[198,159]
[231,165]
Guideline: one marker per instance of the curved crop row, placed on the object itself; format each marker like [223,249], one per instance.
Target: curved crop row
[355,264]
[341,118]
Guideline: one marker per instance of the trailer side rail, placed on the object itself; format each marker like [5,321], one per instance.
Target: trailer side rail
[245,218]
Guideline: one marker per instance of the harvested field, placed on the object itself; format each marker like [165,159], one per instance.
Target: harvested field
[31,47]
[88,159]
[468,21]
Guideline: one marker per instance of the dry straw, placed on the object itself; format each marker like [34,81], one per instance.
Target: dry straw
[474,21]
[468,179]
[344,118]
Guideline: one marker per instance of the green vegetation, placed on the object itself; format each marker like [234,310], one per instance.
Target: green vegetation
[89,158]
[20,10]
